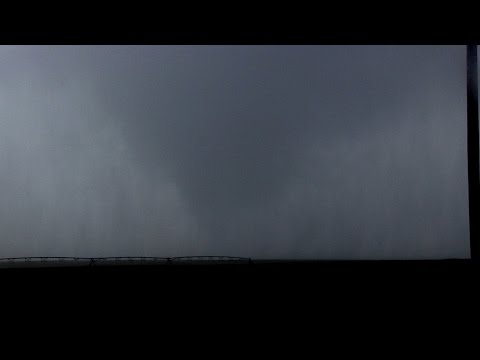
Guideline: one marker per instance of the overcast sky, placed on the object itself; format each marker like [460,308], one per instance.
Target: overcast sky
[321,152]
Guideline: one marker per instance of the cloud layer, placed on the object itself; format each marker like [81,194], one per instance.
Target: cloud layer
[262,151]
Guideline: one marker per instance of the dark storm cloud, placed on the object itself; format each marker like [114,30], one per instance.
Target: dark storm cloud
[263,151]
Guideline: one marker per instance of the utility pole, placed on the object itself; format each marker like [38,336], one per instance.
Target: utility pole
[473,150]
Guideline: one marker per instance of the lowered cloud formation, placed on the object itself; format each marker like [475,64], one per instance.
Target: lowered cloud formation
[318,152]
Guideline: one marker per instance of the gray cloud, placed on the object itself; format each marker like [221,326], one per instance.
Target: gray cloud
[262,151]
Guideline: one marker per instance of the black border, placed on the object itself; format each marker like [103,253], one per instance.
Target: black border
[191,23]
[473,150]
